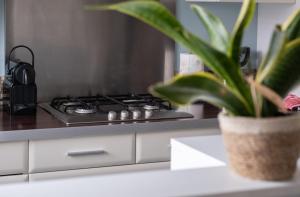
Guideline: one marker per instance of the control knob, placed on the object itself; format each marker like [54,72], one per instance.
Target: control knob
[136,114]
[112,115]
[148,114]
[124,115]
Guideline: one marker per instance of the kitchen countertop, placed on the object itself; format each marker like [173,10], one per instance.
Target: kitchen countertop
[208,153]
[203,182]
[198,152]
[41,120]
[44,126]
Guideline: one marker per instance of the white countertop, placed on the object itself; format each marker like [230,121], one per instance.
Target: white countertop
[208,153]
[197,152]
[206,181]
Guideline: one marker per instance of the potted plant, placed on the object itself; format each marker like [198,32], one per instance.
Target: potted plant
[261,137]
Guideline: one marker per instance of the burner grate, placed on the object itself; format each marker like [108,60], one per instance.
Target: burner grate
[99,103]
[112,109]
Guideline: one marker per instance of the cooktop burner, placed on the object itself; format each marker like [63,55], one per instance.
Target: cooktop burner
[86,110]
[115,108]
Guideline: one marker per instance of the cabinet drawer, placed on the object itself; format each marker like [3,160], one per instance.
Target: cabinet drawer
[69,174]
[155,147]
[14,158]
[85,152]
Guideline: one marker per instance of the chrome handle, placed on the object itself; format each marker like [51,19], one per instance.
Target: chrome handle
[86,153]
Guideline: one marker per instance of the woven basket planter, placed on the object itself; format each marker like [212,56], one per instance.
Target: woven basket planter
[263,149]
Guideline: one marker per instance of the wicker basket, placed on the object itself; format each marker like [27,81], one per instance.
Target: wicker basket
[264,149]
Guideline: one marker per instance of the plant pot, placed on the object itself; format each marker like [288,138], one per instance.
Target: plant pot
[263,149]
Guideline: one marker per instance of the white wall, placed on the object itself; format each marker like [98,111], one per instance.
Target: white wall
[268,16]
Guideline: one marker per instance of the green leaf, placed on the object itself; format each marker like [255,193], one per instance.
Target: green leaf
[216,30]
[276,48]
[285,72]
[279,71]
[292,26]
[159,17]
[243,21]
[218,62]
[201,86]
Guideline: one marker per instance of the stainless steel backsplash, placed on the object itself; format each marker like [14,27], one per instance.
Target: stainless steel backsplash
[80,53]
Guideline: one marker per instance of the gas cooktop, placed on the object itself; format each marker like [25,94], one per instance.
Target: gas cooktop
[112,109]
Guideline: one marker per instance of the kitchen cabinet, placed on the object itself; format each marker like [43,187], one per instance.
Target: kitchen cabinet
[14,158]
[155,146]
[259,1]
[96,155]
[13,179]
[98,171]
[91,154]
[83,152]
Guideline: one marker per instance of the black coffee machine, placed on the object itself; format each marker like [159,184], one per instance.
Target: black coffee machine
[20,85]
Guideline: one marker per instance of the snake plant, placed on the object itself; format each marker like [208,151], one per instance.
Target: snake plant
[256,96]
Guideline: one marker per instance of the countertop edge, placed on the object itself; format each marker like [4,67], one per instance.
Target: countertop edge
[69,132]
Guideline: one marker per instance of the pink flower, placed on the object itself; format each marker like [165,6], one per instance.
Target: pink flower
[292,101]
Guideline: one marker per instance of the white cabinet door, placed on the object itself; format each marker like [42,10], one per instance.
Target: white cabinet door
[155,146]
[14,158]
[84,152]
[13,179]
[98,171]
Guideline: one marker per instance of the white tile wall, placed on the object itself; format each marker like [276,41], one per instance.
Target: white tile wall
[190,63]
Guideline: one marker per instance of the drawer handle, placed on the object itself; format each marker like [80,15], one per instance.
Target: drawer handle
[86,153]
